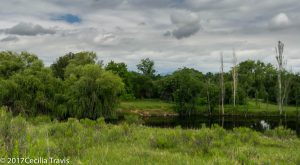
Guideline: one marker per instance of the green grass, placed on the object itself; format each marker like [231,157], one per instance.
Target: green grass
[94,142]
[161,108]
[146,107]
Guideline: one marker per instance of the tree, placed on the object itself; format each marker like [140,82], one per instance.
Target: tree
[91,91]
[120,69]
[142,85]
[31,90]
[146,66]
[60,65]
[234,77]
[222,87]
[281,63]
[188,90]
[80,58]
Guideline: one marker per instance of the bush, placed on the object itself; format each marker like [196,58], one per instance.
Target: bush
[133,119]
[42,119]
[88,123]
[203,140]
[163,141]
[127,97]
[281,133]
[246,135]
[71,137]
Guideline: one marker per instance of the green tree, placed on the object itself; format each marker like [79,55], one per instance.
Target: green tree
[91,91]
[80,58]
[146,67]
[188,90]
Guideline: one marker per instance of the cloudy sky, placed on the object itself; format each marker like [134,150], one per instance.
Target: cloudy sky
[174,33]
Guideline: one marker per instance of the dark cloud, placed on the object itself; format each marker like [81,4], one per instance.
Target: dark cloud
[28,29]
[186,31]
[187,24]
[10,39]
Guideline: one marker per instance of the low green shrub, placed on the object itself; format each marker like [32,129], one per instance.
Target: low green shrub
[203,139]
[127,97]
[281,133]
[246,135]
[163,141]
[42,119]
[133,119]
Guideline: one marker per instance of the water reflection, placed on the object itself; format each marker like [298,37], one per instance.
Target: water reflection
[227,122]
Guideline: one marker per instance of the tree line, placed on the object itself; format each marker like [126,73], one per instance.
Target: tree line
[79,85]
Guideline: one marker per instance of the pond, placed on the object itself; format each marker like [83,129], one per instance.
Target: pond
[228,122]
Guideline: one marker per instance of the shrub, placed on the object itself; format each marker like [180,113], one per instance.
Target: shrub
[133,119]
[281,133]
[127,97]
[88,123]
[203,140]
[42,119]
[246,135]
[17,135]
[163,141]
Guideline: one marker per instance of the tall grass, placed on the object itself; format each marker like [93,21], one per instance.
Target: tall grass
[94,142]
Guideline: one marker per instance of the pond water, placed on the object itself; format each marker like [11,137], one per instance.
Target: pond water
[228,122]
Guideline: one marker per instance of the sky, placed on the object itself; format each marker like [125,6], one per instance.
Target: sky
[173,33]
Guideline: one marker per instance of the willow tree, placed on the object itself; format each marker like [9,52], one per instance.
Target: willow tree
[222,83]
[92,92]
[281,63]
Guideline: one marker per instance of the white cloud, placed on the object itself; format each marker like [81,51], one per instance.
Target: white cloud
[279,21]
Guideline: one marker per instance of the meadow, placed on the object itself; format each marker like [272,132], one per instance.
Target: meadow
[153,107]
[95,142]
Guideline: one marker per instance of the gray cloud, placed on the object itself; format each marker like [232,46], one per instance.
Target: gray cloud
[172,33]
[10,39]
[28,29]
[186,31]
[187,24]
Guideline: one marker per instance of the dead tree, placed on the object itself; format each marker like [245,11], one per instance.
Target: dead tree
[222,83]
[208,96]
[234,77]
[280,62]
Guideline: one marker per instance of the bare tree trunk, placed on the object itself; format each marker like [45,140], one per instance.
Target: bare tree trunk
[286,91]
[234,77]
[279,58]
[208,97]
[222,84]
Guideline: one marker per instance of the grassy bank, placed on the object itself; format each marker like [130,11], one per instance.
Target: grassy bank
[147,108]
[94,142]
[161,108]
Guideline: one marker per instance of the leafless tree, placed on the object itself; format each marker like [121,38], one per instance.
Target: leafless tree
[234,77]
[280,62]
[208,96]
[222,83]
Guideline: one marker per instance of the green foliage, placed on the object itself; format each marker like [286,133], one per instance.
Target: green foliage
[187,91]
[133,119]
[92,92]
[281,133]
[89,142]
[246,135]
[146,66]
[127,97]
[163,141]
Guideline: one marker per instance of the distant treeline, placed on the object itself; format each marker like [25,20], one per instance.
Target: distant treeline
[78,85]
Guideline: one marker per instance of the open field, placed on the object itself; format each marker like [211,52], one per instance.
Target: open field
[94,142]
[161,108]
